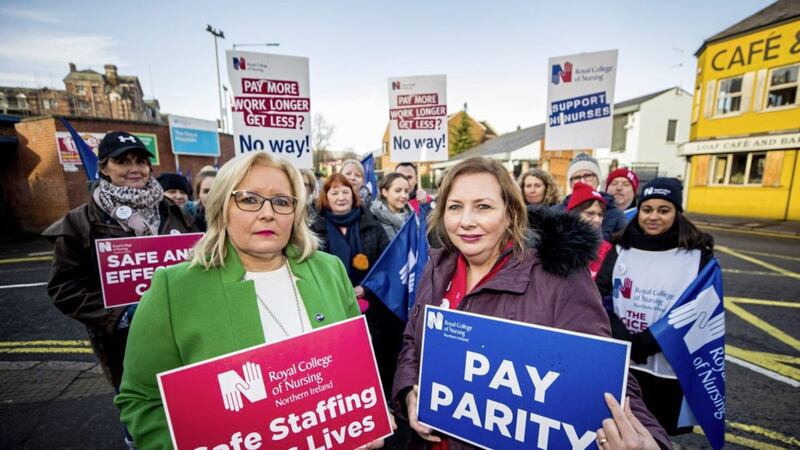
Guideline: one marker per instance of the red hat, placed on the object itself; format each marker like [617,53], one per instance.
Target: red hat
[582,192]
[624,172]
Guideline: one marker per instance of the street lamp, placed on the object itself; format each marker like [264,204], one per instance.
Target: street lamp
[268,44]
[218,34]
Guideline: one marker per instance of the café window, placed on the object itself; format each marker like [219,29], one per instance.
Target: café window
[783,87]
[729,96]
[736,169]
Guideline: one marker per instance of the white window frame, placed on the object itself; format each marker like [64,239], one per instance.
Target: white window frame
[729,166]
[719,95]
[796,84]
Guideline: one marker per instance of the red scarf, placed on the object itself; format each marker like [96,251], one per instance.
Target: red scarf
[458,290]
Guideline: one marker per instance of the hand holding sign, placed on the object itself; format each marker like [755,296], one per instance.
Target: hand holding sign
[624,431]
[411,404]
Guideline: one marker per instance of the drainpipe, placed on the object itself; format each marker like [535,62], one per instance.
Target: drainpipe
[791,183]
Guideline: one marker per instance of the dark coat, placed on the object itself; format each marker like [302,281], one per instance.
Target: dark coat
[550,285]
[613,219]
[74,284]
[373,237]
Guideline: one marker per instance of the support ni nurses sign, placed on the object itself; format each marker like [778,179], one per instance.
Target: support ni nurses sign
[316,391]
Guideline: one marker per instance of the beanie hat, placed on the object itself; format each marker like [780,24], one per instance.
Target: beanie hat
[624,172]
[174,181]
[664,188]
[581,193]
[583,161]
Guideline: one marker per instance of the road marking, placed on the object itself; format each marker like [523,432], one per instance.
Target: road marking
[46,346]
[752,232]
[752,272]
[774,435]
[771,255]
[757,301]
[45,253]
[788,375]
[752,319]
[743,441]
[25,285]
[51,342]
[730,251]
[25,259]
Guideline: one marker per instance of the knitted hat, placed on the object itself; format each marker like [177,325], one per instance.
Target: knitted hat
[583,161]
[581,193]
[623,172]
[174,181]
[665,188]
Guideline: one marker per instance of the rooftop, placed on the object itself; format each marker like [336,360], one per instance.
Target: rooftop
[778,12]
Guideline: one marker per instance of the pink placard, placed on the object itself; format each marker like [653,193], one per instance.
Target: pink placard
[127,264]
[316,391]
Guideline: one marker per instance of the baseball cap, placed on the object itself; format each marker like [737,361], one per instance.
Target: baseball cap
[115,143]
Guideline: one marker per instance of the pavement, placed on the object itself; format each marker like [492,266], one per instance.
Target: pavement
[765,227]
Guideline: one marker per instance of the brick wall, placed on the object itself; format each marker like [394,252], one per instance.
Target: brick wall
[38,190]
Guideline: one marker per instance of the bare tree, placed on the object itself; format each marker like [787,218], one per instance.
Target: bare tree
[321,134]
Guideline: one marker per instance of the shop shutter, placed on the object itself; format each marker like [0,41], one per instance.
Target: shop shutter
[700,164]
[708,108]
[773,169]
[747,91]
[758,95]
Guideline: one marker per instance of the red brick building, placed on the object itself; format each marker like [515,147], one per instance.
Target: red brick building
[37,189]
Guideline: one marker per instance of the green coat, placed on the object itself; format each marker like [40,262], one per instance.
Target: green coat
[190,315]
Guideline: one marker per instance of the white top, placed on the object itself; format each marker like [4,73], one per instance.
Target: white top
[275,289]
[646,286]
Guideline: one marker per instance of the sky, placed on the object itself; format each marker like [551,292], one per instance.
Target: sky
[493,53]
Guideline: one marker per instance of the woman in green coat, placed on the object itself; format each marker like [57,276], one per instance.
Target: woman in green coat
[256,277]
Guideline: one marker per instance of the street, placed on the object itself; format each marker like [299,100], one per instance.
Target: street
[53,394]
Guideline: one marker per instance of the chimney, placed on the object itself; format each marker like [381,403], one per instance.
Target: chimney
[111,73]
[72,67]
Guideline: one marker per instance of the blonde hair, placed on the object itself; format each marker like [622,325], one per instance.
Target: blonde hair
[212,249]
[356,163]
[516,212]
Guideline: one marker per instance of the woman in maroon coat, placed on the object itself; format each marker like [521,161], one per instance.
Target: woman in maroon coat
[492,264]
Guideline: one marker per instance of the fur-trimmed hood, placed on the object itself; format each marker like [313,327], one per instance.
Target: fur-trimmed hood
[563,241]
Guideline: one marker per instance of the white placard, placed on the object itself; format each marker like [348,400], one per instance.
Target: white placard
[418,118]
[580,100]
[271,105]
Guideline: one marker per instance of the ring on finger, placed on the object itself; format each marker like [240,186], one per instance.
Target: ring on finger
[602,441]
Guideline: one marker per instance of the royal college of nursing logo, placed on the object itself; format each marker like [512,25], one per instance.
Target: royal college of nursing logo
[239,63]
[560,73]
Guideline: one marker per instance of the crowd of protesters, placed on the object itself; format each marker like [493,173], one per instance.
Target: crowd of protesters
[507,248]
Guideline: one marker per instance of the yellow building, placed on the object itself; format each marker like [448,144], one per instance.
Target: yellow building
[745,133]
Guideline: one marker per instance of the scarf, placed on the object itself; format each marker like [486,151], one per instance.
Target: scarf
[347,246]
[134,209]
[635,237]
[385,216]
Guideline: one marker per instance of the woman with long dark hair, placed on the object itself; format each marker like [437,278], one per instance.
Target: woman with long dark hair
[657,257]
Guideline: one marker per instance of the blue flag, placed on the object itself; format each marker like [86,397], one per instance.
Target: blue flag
[88,158]
[394,277]
[692,337]
[370,179]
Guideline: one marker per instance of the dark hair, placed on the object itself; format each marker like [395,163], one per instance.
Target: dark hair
[387,181]
[408,164]
[586,205]
[550,187]
[337,178]
[119,159]
[690,237]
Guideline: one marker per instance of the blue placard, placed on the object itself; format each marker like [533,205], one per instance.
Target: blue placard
[191,141]
[501,384]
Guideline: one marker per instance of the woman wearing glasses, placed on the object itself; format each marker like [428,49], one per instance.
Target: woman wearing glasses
[255,277]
